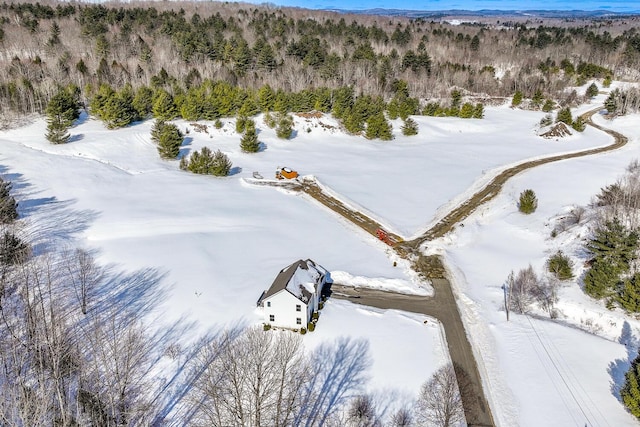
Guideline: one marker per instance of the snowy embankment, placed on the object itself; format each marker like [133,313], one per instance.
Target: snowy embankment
[401,286]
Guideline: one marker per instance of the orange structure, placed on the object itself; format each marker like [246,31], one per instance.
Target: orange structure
[286,173]
[384,236]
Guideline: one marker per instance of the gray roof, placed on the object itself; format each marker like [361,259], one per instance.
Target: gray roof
[283,279]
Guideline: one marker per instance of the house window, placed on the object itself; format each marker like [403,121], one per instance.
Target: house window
[298,307]
[268,303]
[272,317]
[298,321]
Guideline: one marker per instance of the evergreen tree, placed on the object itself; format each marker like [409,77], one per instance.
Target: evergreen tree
[221,165]
[249,142]
[56,132]
[600,280]
[410,127]
[284,129]
[548,106]
[156,130]
[241,123]
[607,81]
[592,90]
[8,204]
[118,112]
[61,111]
[207,163]
[478,111]
[431,109]
[12,249]
[163,106]
[628,295]
[269,120]
[517,99]
[630,392]
[169,139]
[611,103]
[560,266]
[614,244]
[378,127]
[456,99]
[342,101]
[564,116]
[466,112]
[579,124]
[475,43]
[528,202]
[537,99]
[143,101]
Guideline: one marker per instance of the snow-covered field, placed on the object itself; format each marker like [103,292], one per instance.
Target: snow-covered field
[218,243]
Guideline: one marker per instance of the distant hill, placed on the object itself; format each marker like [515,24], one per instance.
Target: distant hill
[490,13]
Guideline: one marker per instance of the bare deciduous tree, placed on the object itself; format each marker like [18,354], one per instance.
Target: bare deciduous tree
[403,417]
[520,288]
[439,403]
[84,275]
[362,412]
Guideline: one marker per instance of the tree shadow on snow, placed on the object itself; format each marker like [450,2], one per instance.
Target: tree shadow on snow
[235,170]
[45,220]
[84,117]
[76,138]
[184,151]
[619,367]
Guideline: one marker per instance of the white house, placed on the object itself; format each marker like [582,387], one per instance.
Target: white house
[294,295]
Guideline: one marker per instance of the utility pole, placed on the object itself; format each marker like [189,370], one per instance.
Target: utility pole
[506,306]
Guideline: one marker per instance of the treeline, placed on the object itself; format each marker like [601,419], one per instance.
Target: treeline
[359,114]
[293,50]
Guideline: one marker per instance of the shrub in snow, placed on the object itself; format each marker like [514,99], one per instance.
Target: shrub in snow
[284,129]
[549,105]
[560,266]
[564,116]
[517,99]
[410,127]
[207,163]
[303,331]
[592,90]
[579,124]
[528,202]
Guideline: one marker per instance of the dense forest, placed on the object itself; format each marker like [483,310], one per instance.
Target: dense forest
[188,51]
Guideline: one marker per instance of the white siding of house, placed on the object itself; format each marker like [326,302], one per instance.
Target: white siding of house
[283,307]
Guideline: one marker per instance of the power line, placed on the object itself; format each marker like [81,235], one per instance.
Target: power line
[558,371]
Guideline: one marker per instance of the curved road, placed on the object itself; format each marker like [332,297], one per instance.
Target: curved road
[443,305]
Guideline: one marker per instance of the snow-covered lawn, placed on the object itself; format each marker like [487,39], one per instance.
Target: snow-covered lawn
[218,243]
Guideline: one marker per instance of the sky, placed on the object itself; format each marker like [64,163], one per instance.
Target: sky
[430,5]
